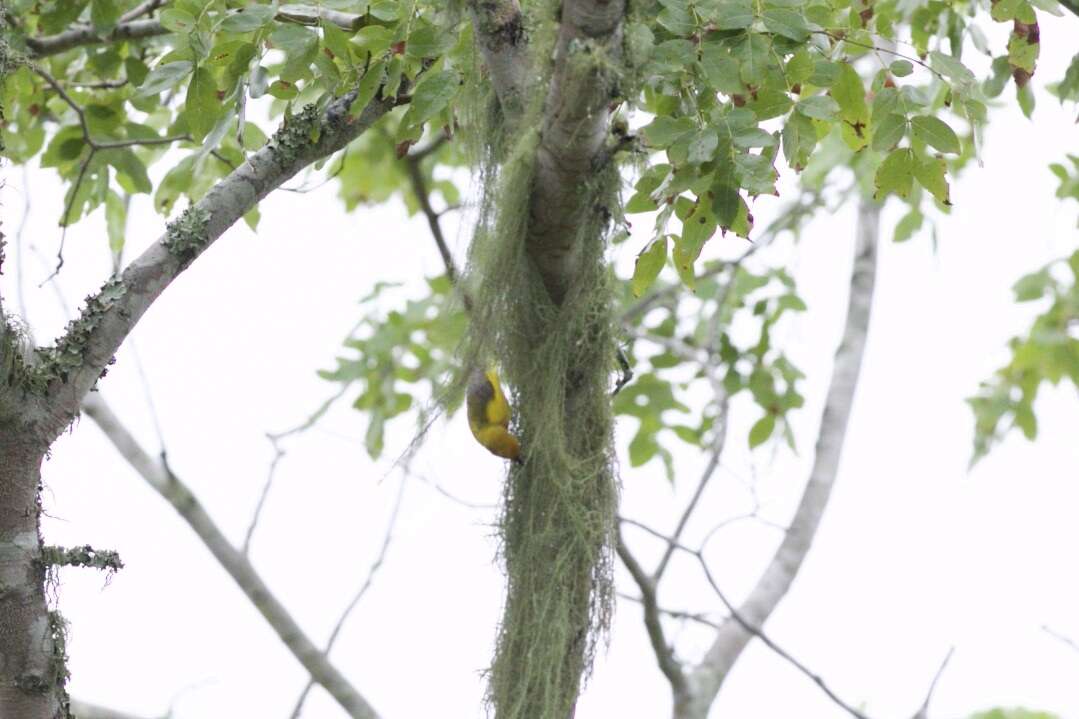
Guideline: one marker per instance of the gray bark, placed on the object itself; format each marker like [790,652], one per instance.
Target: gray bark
[30,687]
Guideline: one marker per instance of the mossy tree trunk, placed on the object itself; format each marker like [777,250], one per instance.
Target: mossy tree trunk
[542,310]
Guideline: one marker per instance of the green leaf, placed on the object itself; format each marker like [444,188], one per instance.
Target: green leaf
[935,133]
[131,172]
[201,106]
[1022,51]
[725,198]
[820,107]
[247,19]
[648,266]
[103,15]
[895,174]
[930,172]
[908,224]
[799,67]
[799,140]
[115,221]
[164,77]
[787,23]
[901,68]
[665,131]
[432,95]
[762,430]
[721,70]
[753,52]
[369,84]
[336,41]
[176,20]
[951,67]
[702,147]
[676,20]
[770,102]
[429,41]
[849,93]
[889,132]
[733,15]
[697,229]
[1032,286]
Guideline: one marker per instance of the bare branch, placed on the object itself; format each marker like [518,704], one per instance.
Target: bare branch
[923,711]
[674,613]
[706,476]
[423,196]
[756,631]
[158,475]
[375,566]
[776,579]
[245,549]
[111,315]
[1068,641]
[130,28]
[668,663]
[141,9]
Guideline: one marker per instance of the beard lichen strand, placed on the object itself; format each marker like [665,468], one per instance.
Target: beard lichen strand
[558,511]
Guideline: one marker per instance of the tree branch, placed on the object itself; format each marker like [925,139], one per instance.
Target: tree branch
[756,631]
[158,475]
[79,37]
[111,314]
[423,197]
[500,33]
[130,28]
[923,711]
[668,663]
[375,566]
[144,8]
[575,125]
[706,476]
[776,579]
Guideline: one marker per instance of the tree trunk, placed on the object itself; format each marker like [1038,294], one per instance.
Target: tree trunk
[32,671]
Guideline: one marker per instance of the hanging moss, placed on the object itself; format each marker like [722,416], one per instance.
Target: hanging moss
[557,523]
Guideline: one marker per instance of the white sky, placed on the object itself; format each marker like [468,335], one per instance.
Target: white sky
[915,554]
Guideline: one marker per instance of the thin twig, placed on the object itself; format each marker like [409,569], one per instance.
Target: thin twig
[668,662]
[1060,637]
[95,146]
[278,454]
[375,566]
[842,38]
[674,613]
[923,711]
[706,476]
[144,9]
[759,633]
[419,189]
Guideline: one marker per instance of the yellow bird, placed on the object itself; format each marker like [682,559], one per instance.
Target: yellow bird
[489,415]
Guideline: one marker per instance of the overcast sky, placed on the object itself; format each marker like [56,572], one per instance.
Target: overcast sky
[915,554]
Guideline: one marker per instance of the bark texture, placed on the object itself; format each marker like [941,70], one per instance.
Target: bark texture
[31,678]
